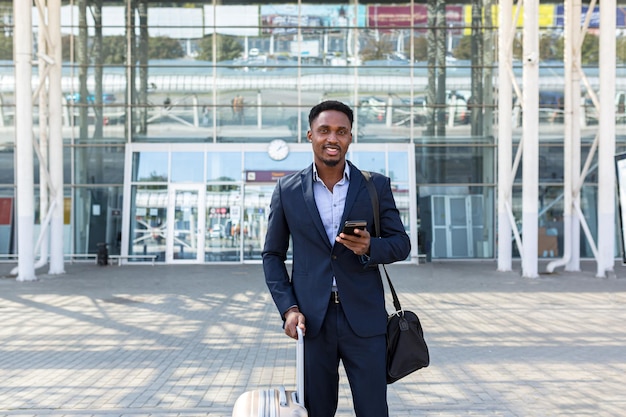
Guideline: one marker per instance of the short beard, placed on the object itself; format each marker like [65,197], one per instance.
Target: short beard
[330,162]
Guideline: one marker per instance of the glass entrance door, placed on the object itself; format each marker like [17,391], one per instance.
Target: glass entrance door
[456,221]
[185,224]
[256,211]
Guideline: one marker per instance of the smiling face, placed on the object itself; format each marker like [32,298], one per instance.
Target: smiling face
[330,135]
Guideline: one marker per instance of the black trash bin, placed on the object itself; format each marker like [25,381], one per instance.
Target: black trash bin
[103,254]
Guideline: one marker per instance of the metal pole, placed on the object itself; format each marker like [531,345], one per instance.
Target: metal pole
[575,126]
[44,203]
[606,146]
[505,135]
[571,144]
[56,139]
[441,68]
[530,135]
[22,46]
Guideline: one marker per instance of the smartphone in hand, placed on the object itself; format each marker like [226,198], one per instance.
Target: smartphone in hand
[350,225]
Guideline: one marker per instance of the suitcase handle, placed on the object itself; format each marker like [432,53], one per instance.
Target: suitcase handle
[297,396]
[300,367]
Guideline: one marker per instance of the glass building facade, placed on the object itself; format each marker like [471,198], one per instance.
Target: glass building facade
[169,109]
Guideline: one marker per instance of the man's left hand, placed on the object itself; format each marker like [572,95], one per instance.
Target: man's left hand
[359,242]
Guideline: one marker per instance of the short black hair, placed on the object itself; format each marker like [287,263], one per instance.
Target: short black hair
[331,105]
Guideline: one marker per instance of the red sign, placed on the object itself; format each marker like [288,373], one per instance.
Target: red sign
[399,17]
[6,210]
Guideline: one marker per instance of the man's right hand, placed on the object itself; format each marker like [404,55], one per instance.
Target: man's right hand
[294,318]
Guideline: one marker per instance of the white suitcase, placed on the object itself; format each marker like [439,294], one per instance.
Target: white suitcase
[276,402]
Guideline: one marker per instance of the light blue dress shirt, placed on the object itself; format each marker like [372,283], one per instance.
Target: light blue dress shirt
[330,204]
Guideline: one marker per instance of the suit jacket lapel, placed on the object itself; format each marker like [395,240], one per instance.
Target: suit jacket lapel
[306,177]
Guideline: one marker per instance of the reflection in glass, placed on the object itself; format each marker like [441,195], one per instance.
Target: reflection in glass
[187,166]
[398,166]
[369,161]
[550,220]
[95,165]
[97,216]
[7,208]
[7,165]
[454,164]
[401,195]
[150,166]
[223,166]
[256,210]
[185,245]
[223,223]
[148,227]
[454,222]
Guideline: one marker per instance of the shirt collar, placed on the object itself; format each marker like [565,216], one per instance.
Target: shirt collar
[346,172]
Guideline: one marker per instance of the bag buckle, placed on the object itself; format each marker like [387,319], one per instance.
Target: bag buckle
[404,324]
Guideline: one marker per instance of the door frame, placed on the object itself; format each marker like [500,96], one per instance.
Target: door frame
[200,226]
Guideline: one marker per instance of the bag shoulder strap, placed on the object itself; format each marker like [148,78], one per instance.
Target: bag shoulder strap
[374,197]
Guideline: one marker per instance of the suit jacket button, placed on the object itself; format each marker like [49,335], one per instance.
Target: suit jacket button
[334,257]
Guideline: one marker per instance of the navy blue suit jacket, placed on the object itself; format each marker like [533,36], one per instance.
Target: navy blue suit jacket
[294,215]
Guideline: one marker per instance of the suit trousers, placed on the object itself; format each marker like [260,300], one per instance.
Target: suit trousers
[364,360]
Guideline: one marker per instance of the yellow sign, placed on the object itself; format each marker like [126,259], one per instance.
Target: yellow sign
[547,17]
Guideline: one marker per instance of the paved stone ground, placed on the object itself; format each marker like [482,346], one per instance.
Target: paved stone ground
[188,340]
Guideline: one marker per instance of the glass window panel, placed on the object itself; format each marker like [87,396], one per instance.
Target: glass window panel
[7,165]
[398,166]
[458,214]
[369,161]
[439,208]
[260,161]
[224,166]
[464,212]
[150,166]
[84,168]
[96,164]
[148,224]
[7,134]
[97,210]
[458,241]
[298,115]
[187,167]
[186,221]
[440,244]
[454,164]
[7,219]
[550,216]
[401,196]
[223,240]
[256,210]
[478,219]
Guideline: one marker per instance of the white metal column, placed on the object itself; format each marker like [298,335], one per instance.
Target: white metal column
[24,177]
[530,138]
[43,242]
[56,138]
[572,179]
[505,134]
[606,145]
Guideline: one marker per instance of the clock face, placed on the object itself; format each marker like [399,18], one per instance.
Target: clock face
[278,149]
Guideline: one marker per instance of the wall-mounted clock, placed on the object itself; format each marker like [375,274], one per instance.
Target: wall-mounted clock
[278,149]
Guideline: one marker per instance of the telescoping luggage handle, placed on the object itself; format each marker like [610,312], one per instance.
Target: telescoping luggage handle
[298,394]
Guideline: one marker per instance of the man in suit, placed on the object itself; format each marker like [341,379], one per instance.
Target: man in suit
[335,293]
